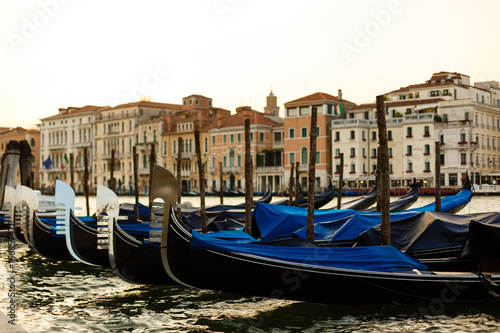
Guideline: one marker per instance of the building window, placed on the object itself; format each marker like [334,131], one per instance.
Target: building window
[353,152]
[337,136]
[426,131]
[427,166]
[352,135]
[389,135]
[409,132]
[231,138]
[224,138]
[239,137]
[409,150]
[213,139]
[303,156]
[410,166]
[374,152]
[337,152]
[427,149]
[213,161]
[353,168]
[374,135]
[304,132]
[291,133]
[261,137]
[292,158]
[318,157]
[463,159]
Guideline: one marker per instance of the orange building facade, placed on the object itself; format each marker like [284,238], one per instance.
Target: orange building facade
[297,126]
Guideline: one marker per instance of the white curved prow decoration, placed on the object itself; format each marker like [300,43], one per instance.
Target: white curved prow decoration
[9,203]
[65,203]
[108,203]
[17,206]
[29,204]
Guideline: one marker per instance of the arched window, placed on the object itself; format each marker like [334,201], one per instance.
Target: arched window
[303,156]
[32,142]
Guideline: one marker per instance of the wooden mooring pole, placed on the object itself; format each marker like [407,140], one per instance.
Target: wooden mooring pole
[136,182]
[290,186]
[112,183]
[221,183]
[312,175]
[180,146]
[86,179]
[152,163]
[385,228]
[72,170]
[201,174]
[438,177]
[248,180]
[341,181]
[297,184]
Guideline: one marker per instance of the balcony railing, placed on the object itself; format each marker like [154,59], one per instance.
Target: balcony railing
[269,169]
[233,169]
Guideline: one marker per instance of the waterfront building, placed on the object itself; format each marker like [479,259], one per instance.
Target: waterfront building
[32,136]
[227,146]
[62,135]
[120,128]
[463,118]
[297,123]
[196,113]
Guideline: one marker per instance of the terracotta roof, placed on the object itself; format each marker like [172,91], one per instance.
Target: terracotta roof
[409,102]
[73,110]
[316,97]
[238,119]
[146,104]
[421,85]
[196,95]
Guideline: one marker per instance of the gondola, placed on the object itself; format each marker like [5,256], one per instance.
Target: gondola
[404,202]
[320,199]
[46,242]
[359,275]
[363,202]
[136,259]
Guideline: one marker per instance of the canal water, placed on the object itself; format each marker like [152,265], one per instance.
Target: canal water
[57,296]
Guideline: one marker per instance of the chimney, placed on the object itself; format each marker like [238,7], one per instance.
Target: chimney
[339,95]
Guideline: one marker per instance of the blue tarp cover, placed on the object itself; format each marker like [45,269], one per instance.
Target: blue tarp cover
[373,258]
[274,221]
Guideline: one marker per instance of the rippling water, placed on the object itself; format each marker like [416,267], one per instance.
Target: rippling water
[72,297]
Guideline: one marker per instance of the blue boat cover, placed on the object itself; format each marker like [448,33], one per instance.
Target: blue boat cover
[127,209]
[429,230]
[274,221]
[447,203]
[373,258]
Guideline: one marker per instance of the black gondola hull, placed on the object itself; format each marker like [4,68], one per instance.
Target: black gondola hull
[259,276]
[84,243]
[47,245]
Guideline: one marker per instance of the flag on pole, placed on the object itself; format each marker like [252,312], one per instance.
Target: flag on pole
[47,163]
[66,159]
[387,110]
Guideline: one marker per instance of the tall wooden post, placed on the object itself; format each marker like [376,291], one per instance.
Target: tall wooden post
[297,184]
[10,161]
[86,179]
[248,180]
[152,163]
[438,177]
[180,145]
[72,170]
[135,158]
[290,187]
[112,183]
[385,227]
[221,182]
[201,174]
[312,175]
[377,180]
[25,163]
[341,181]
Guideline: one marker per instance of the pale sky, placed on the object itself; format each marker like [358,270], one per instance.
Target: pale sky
[60,53]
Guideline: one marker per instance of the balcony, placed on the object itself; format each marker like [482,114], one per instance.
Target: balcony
[187,155]
[107,156]
[304,167]
[185,173]
[143,171]
[213,171]
[232,169]
[270,169]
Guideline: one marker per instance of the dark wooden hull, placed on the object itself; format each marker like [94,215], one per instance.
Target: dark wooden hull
[47,245]
[363,202]
[84,243]
[255,275]
[135,261]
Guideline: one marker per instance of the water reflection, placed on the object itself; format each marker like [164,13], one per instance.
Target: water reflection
[57,296]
